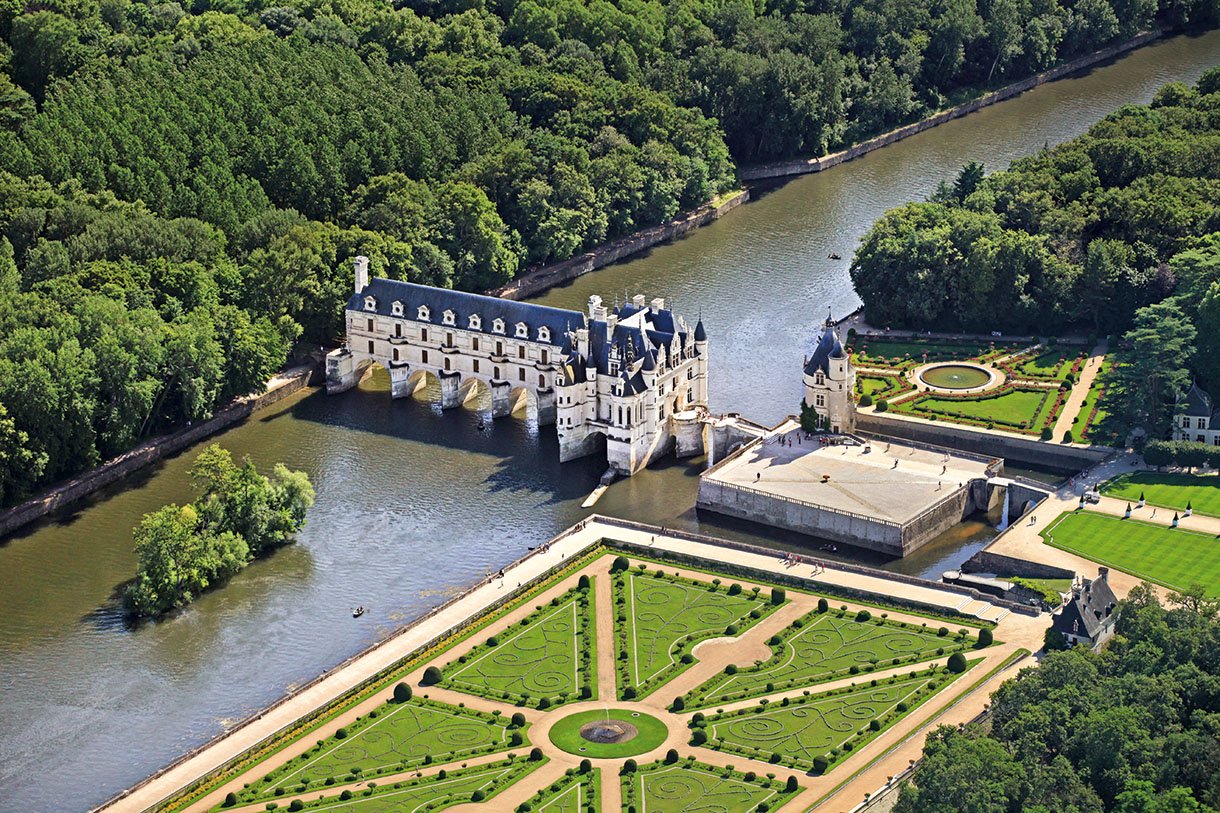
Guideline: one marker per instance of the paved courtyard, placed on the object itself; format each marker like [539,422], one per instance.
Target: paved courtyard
[889,481]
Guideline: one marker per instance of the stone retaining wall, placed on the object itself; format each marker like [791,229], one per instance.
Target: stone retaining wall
[1013,449]
[803,166]
[150,451]
[549,276]
[985,561]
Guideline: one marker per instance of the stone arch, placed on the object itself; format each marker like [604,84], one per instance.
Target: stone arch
[523,402]
[474,392]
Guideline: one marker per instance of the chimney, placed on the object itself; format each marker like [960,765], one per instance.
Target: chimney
[361,264]
[597,311]
[638,301]
[657,304]
[1103,573]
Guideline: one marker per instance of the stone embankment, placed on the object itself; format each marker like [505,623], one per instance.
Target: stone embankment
[539,280]
[280,387]
[803,166]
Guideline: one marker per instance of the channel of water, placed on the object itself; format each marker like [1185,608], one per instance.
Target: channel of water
[413,504]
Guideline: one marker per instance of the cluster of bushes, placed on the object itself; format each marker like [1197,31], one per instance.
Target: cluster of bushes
[912,406]
[583,775]
[584,639]
[1189,453]
[627,688]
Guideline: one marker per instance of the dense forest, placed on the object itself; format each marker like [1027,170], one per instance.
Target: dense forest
[1082,235]
[1134,729]
[182,184]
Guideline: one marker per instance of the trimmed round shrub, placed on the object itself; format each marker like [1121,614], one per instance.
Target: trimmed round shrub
[791,786]
[942,632]
[823,605]
[583,582]
[731,629]
[402,693]
[297,804]
[544,702]
[820,763]
[699,737]
[1047,433]
[902,706]
[341,734]
[345,795]
[516,739]
[734,589]
[432,676]
[620,564]
[478,796]
[678,705]
[629,766]
[985,638]
[778,595]
[883,405]
[863,615]
[493,641]
[874,725]
[957,663]
[628,692]
[671,756]
[687,658]
[585,766]
[535,755]
[731,669]
[230,799]
[866,400]
[586,692]
[518,719]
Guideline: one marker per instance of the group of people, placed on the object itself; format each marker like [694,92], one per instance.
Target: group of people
[792,560]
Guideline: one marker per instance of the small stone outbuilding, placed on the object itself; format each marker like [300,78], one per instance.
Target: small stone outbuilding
[1090,613]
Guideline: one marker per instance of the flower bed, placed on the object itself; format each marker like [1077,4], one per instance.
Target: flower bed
[1029,425]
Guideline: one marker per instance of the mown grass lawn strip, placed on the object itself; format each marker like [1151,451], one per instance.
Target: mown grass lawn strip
[1168,490]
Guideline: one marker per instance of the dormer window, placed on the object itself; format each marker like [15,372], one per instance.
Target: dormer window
[423,313]
[396,308]
[497,326]
[544,334]
[523,331]
[370,303]
[819,379]
[475,322]
[447,318]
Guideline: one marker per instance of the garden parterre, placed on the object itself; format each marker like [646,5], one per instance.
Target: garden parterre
[430,750]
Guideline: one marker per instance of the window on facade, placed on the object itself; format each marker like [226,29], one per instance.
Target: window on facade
[398,330]
[521,376]
[661,390]
[425,357]
[541,381]
[819,379]
[661,412]
[396,308]
[476,365]
[447,360]
[521,352]
[1202,424]
[370,324]
[544,357]
[523,332]
[1199,438]
[423,334]
[474,343]
[449,340]
[396,354]
[495,373]
[370,304]
[422,312]
[544,334]
[821,401]
[498,326]
[371,347]
[690,374]
[447,318]
[499,348]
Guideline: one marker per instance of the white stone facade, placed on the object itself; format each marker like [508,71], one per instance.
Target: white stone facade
[830,383]
[620,379]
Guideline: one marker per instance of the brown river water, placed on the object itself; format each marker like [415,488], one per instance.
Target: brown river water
[413,504]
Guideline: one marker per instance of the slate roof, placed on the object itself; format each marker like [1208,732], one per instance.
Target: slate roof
[489,308]
[1088,611]
[829,347]
[1198,402]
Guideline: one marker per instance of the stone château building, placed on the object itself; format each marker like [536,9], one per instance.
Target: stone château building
[830,382]
[1199,420]
[621,379]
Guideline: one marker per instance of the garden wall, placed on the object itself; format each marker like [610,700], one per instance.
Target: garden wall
[1068,457]
[548,276]
[802,166]
[985,561]
[151,451]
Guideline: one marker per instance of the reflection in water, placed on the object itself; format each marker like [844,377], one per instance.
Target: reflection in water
[413,503]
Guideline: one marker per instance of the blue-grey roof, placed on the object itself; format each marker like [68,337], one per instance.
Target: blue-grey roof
[700,333]
[829,347]
[463,305]
[1086,612]
[1198,402]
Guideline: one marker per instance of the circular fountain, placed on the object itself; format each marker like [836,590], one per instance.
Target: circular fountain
[956,376]
[608,733]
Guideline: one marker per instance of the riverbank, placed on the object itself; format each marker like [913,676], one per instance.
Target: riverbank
[150,451]
[803,166]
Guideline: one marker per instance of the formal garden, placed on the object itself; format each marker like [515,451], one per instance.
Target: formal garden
[473,718]
[826,644]
[1173,557]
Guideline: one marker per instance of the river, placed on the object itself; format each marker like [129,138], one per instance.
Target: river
[413,504]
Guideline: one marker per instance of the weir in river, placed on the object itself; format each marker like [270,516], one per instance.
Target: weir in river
[412,503]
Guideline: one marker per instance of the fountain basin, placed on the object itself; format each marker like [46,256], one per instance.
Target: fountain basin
[608,733]
[956,376]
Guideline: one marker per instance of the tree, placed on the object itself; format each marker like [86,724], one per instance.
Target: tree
[1155,372]
[1207,356]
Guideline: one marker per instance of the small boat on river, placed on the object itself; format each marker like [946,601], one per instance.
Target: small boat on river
[833,256]
[359,611]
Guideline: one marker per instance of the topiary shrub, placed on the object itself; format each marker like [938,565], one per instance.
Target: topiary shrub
[820,764]
[866,400]
[230,799]
[699,737]
[628,692]
[957,663]
[535,755]
[778,595]
[734,589]
[544,702]
[791,786]
[583,582]
[1047,433]
[341,734]
[823,605]
[731,629]
[620,564]
[863,615]
[585,766]
[902,706]
[985,638]
[678,705]
[629,766]
[432,676]
[942,632]
[883,405]
[297,804]
[518,719]
[730,669]
[516,739]
[402,693]
[874,725]
[671,756]
[478,796]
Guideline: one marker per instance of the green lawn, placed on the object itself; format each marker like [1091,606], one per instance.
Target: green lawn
[1016,407]
[431,793]
[571,793]
[548,655]
[797,732]
[687,788]
[826,646]
[661,619]
[1053,363]
[391,739]
[651,732]
[1173,557]
[1168,490]
[872,384]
